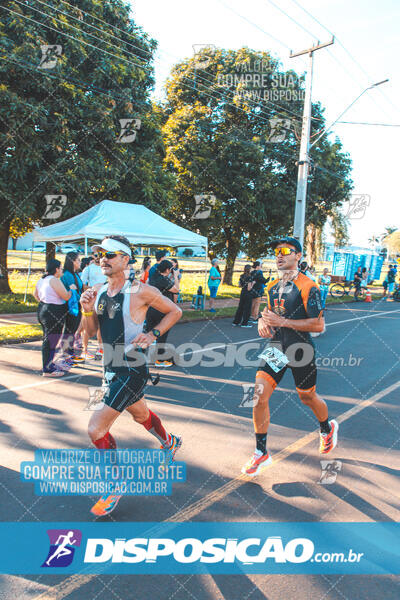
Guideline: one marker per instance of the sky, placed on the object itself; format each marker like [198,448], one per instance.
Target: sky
[366,50]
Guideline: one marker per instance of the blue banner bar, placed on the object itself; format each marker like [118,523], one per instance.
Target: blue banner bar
[236,548]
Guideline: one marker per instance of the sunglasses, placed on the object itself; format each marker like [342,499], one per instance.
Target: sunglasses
[109,255]
[284,251]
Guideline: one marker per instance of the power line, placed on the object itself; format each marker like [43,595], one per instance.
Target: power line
[366,123]
[191,87]
[290,17]
[70,36]
[253,24]
[356,62]
[149,68]
[81,29]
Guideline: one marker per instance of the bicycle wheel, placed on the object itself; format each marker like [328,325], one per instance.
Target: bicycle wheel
[337,290]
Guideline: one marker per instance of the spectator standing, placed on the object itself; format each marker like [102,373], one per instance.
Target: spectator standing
[51,294]
[144,273]
[306,270]
[92,274]
[160,255]
[243,311]
[160,279]
[179,272]
[357,278]
[364,280]
[85,262]
[385,283]
[72,281]
[214,280]
[324,283]
[257,290]
[391,278]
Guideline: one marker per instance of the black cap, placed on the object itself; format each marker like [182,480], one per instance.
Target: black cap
[288,240]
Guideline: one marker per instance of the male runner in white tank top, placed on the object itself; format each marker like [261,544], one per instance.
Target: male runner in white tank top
[119,308]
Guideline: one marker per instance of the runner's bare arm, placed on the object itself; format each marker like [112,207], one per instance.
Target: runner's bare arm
[315,324]
[151,296]
[89,321]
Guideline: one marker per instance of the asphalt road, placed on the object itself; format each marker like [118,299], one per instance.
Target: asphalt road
[359,377]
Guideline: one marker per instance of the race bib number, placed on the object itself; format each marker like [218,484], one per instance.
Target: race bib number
[274,358]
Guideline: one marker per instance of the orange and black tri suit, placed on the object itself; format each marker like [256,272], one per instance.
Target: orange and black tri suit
[300,299]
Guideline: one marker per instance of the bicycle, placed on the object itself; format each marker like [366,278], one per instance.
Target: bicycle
[340,289]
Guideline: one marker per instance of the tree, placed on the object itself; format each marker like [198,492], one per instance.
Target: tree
[19,227]
[392,242]
[340,228]
[388,231]
[60,127]
[241,149]
[373,240]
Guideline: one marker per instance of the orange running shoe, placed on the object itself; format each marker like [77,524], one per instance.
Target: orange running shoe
[105,505]
[171,450]
[257,463]
[328,441]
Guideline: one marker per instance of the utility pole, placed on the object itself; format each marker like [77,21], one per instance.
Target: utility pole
[302,177]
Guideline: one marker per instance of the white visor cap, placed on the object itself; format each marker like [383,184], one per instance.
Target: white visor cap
[112,246]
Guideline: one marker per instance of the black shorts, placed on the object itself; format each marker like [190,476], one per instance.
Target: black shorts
[305,375]
[126,387]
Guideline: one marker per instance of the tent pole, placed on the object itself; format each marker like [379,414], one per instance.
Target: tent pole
[86,249]
[29,273]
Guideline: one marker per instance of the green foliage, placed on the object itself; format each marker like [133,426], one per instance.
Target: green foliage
[218,141]
[59,127]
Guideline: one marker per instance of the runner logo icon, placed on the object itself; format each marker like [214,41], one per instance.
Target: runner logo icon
[62,547]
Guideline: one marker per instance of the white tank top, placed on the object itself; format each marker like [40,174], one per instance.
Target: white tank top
[131,329]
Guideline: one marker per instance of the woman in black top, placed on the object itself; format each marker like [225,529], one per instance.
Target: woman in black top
[258,289]
[243,310]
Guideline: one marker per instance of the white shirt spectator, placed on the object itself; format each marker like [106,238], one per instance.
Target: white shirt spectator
[93,274]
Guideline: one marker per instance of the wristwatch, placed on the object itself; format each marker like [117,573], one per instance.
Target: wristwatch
[156,333]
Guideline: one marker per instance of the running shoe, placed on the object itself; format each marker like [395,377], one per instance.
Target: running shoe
[328,441]
[248,325]
[55,373]
[88,356]
[212,310]
[64,365]
[164,363]
[99,354]
[257,463]
[105,505]
[78,359]
[171,450]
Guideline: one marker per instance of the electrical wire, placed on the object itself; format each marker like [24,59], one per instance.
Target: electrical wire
[102,50]
[150,68]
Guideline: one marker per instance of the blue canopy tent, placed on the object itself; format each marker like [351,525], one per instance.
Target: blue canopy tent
[139,224]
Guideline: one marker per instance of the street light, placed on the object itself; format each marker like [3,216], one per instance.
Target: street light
[346,109]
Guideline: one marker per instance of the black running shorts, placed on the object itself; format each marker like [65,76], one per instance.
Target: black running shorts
[305,376]
[126,387]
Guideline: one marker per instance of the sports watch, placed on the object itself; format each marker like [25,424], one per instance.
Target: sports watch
[156,333]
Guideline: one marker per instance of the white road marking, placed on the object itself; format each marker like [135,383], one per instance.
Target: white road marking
[70,584]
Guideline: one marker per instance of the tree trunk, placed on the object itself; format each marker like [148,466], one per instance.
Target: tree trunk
[233,250]
[50,251]
[4,233]
[311,244]
[14,243]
